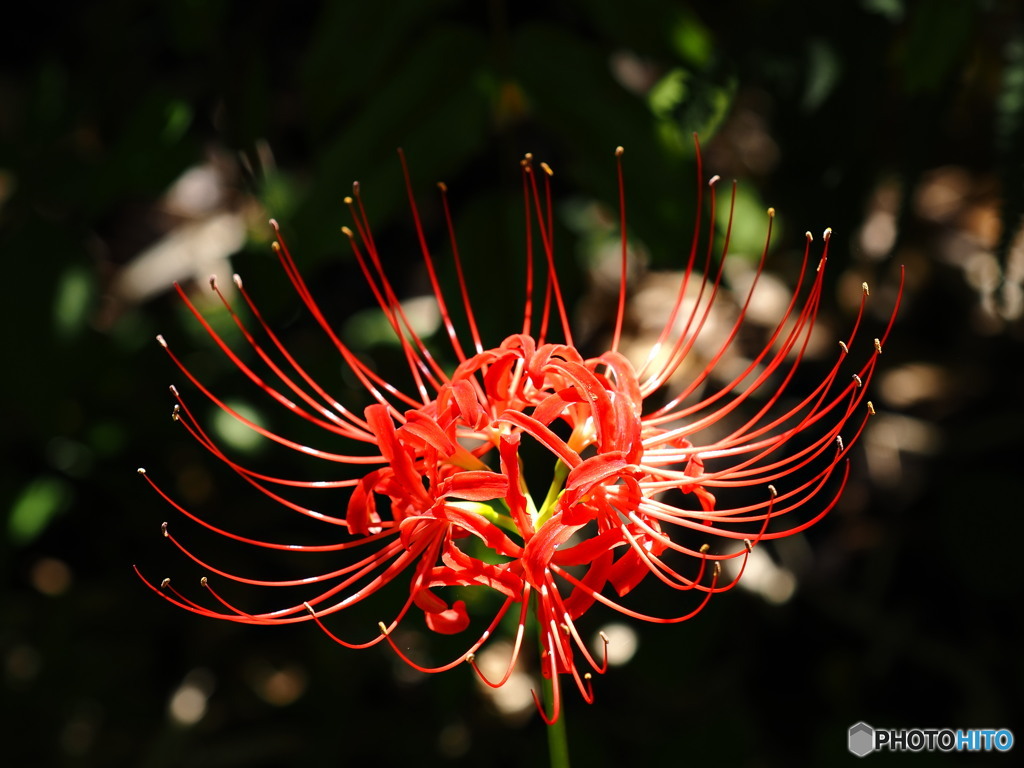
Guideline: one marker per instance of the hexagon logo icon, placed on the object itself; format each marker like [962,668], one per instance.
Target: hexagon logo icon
[861,739]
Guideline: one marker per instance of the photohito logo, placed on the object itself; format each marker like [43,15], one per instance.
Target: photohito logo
[862,739]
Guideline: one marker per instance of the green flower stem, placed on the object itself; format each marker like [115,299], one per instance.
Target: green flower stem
[489,513]
[547,509]
[558,741]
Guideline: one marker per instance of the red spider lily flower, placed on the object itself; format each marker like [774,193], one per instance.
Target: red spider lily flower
[433,493]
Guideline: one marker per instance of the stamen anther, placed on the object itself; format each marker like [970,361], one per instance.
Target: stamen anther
[871,408]
[864,287]
[858,380]
[839,441]
[842,346]
[878,346]
[772,491]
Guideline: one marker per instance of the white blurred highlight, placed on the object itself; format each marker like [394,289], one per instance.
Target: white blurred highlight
[764,577]
[623,642]
[189,701]
[513,700]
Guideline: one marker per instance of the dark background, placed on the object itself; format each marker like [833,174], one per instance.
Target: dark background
[899,124]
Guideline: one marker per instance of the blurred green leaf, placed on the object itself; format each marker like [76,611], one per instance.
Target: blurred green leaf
[893,10]
[824,70]
[235,433]
[361,49]
[179,118]
[585,115]
[433,108]
[939,33]
[71,305]
[749,219]
[1009,138]
[692,40]
[686,104]
[36,506]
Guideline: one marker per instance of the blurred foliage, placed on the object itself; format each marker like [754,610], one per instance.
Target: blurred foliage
[813,105]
